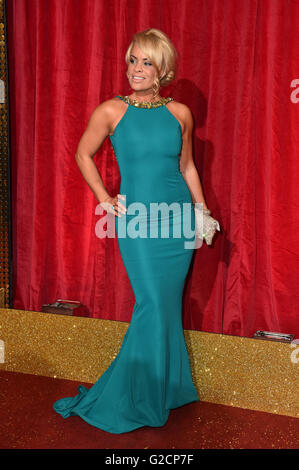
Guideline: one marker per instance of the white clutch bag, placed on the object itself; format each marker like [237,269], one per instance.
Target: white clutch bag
[206,225]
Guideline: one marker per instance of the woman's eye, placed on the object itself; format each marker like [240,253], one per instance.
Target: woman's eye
[145,63]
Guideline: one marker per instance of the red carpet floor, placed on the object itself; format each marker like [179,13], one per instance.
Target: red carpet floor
[28,421]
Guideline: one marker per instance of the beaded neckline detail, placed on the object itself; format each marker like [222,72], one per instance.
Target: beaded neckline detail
[145,104]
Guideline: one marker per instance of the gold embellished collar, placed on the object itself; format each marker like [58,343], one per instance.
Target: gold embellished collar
[145,104]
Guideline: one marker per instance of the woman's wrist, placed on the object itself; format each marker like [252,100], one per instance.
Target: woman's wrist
[104,198]
[204,206]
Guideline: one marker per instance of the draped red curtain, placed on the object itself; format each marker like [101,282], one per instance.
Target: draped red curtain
[237,63]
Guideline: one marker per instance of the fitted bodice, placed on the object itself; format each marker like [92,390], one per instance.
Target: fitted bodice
[147,144]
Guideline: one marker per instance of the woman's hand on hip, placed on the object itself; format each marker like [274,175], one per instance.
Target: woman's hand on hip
[112,205]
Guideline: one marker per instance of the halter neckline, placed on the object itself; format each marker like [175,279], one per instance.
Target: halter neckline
[145,104]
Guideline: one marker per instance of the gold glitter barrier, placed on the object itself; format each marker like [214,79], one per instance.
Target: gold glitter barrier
[229,370]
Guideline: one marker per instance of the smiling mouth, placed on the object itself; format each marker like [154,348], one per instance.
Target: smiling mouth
[137,78]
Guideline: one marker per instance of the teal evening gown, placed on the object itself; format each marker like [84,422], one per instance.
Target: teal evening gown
[151,373]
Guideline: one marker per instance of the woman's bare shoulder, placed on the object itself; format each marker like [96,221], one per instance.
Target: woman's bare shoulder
[108,112]
[182,112]
[110,106]
[181,108]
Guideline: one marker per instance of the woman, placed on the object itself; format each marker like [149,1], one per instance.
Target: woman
[151,137]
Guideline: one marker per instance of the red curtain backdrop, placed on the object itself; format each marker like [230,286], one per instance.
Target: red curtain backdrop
[237,63]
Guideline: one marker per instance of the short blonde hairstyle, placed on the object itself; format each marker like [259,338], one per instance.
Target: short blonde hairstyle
[158,48]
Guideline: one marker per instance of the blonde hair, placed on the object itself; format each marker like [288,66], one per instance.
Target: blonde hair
[160,51]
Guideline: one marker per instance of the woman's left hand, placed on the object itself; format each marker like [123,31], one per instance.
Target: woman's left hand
[206,225]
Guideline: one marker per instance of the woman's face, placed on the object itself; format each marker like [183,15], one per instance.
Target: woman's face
[141,73]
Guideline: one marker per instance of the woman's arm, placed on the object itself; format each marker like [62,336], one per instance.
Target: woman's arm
[98,128]
[187,166]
